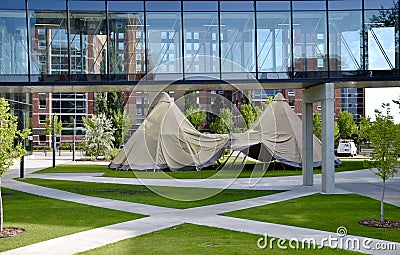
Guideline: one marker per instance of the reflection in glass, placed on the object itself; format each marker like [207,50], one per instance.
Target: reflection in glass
[273,45]
[345,29]
[49,45]
[381,40]
[309,44]
[201,39]
[237,42]
[164,43]
[88,42]
[13,46]
[127,45]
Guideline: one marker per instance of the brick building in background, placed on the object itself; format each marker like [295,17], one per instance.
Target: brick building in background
[68,106]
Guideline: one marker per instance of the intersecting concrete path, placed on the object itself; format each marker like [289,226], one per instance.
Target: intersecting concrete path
[361,182]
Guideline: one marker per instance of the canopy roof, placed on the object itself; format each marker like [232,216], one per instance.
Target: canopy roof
[167,139]
[276,134]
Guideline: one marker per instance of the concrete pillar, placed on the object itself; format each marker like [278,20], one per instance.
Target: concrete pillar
[328,137]
[307,143]
[325,94]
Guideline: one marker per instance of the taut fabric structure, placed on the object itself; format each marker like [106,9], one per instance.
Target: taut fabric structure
[276,134]
[166,139]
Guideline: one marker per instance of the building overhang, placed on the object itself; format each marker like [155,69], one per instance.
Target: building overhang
[189,85]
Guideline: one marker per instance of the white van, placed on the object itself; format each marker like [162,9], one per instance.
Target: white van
[346,148]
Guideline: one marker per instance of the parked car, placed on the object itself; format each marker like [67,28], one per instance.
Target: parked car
[346,148]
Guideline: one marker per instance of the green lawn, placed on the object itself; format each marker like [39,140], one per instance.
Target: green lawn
[143,195]
[327,212]
[46,218]
[348,165]
[74,169]
[193,239]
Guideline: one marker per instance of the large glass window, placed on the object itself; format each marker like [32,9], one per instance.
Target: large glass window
[237,43]
[70,106]
[201,44]
[273,44]
[49,45]
[88,41]
[13,44]
[381,38]
[309,41]
[127,41]
[164,45]
[345,39]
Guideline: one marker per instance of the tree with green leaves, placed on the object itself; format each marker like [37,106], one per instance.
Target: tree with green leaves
[347,126]
[249,114]
[112,105]
[122,124]
[196,117]
[317,124]
[384,135]
[224,122]
[100,136]
[317,127]
[49,125]
[11,144]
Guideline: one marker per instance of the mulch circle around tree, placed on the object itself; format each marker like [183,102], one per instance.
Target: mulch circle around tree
[10,232]
[379,224]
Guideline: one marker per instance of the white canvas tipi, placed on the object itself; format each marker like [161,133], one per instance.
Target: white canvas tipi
[167,139]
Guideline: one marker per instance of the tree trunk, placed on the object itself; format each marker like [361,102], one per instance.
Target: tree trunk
[1,209]
[382,204]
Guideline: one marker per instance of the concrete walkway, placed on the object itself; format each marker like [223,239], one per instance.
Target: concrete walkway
[363,182]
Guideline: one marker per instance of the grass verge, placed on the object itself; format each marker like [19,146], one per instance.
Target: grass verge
[143,195]
[47,218]
[348,165]
[327,212]
[193,239]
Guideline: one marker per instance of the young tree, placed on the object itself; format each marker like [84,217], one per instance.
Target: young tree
[49,125]
[112,105]
[317,124]
[384,135]
[8,150]
[249,114]
[224,122]
[346,124]
[100,136]
[122,124]
[196,117]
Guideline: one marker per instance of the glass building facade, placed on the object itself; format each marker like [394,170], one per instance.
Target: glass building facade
[70,41]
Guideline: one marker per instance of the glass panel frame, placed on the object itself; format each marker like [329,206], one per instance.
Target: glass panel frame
[237,38]
[127,41]
[345,43]
[309,44]
[14,52]
[164,44]
[274,54]
[201,44]
[48,46]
